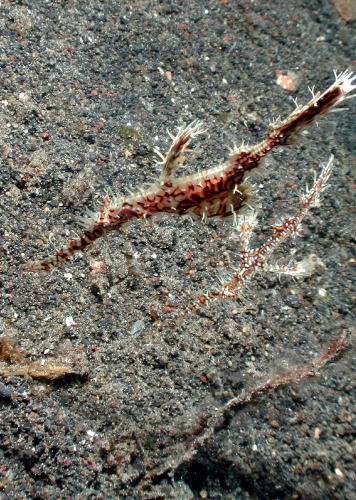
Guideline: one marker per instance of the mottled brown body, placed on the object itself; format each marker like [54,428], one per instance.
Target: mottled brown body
[203,195]
[219,191]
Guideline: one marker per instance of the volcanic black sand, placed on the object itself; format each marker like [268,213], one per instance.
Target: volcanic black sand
[88,89]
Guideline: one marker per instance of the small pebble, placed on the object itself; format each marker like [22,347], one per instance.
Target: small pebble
[288,80]
[5,392]
[137,326]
